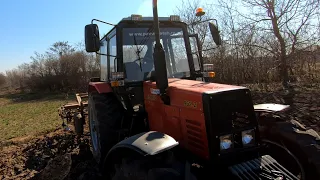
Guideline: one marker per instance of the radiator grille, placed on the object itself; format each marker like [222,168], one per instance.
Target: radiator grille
[261,168]
[194,134]
[231,111]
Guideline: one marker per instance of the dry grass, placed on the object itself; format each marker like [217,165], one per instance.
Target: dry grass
[28,114]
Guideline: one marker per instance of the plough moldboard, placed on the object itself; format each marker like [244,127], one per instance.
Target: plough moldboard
[75,112]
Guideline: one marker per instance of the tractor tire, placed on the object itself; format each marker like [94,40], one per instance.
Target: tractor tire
[146,169]
[105,114]
[303,143]
[130,172]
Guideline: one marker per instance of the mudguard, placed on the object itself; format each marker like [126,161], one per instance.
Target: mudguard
[143,144]
[101,87]
[147,143]
[270,107]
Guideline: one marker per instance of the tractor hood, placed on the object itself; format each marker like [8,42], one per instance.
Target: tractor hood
[201,114]
[183,92]
[199,86]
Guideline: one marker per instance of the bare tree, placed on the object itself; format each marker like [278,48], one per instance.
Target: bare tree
[186,10]
[13,78]
[291,22]
[263,40]
[60,47]
[61,68]
[2,79]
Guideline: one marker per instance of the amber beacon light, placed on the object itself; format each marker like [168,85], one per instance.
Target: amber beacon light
[200,12]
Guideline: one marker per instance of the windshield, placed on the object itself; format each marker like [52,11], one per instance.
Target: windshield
[138,44]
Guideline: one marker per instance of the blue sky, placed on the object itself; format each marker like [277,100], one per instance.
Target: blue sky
[33,25]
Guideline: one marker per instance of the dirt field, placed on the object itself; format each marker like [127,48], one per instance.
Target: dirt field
[32,157]
[305,102]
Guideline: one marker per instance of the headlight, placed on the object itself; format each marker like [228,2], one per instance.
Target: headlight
[226,142]
[248,137]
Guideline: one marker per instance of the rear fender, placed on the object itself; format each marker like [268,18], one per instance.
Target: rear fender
[265,114]
[100,87]
[146,143]
[270,108]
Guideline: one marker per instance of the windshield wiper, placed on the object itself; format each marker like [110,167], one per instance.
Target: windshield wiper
[147,37]
[138,51]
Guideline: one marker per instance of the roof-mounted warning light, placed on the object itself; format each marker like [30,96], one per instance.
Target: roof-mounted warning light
[200,12]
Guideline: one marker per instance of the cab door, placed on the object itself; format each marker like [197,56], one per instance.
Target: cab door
[196,52]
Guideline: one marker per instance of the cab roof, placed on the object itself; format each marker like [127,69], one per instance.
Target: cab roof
[137,18]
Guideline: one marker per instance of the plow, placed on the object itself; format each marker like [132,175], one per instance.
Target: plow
[154,112]
[75,112]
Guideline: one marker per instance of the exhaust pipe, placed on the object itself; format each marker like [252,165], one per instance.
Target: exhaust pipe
[159,59]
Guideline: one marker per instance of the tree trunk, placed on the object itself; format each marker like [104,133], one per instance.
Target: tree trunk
[284,69]
[283,54]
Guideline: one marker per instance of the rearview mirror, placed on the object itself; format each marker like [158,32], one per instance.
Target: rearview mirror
[92,38]
[215,33]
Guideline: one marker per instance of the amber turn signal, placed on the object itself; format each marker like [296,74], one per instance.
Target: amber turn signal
[211,74]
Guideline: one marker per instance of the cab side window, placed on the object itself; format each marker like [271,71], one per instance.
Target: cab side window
[112,51]
[195,53]
[103,60]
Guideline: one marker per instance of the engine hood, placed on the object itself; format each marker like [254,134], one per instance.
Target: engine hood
[187,93]
[199,86]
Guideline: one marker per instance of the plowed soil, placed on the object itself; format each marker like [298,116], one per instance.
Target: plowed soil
[62,155]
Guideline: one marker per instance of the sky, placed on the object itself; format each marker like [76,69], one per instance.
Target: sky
[29,26]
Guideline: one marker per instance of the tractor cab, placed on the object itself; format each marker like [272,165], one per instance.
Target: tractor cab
[127,53]
[127,49]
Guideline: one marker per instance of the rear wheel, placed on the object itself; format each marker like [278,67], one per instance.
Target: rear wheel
[302,143]
[105,114]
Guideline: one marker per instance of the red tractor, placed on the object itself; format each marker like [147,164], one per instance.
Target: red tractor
[152,115]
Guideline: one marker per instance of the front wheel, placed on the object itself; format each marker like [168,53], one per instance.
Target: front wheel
[132,169]
[126,164]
